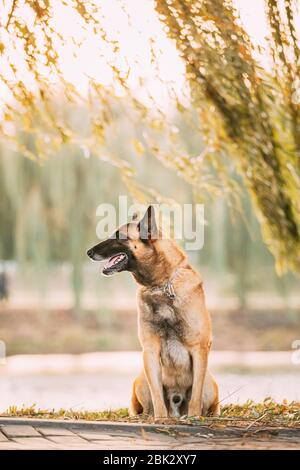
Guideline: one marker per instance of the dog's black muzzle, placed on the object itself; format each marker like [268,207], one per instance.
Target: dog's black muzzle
[114,252]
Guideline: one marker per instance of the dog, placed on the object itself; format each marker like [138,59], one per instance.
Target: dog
[174,326]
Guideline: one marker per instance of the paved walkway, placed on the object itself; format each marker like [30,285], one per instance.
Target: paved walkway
[103,380]
[25,434]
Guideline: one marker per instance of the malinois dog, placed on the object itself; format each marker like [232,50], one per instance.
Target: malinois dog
[174,326]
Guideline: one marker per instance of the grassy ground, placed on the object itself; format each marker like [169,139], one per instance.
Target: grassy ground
[265,414]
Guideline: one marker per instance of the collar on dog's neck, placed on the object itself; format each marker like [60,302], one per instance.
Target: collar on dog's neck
[168,288]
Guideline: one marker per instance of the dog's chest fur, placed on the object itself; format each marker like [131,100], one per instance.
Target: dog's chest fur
[165,320]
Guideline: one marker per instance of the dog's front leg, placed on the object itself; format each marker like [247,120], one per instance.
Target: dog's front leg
[199,355]
[152,367]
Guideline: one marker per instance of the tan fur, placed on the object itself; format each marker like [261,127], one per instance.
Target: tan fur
[175,333]
[177,362]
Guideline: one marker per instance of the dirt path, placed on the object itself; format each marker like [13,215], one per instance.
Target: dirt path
[52,434]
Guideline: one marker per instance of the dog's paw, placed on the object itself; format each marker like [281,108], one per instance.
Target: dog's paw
[195,412]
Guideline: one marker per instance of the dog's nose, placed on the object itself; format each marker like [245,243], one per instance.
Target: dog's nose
[90,252]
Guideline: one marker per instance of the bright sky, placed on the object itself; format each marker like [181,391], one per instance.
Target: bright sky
[134,24]
[134,38]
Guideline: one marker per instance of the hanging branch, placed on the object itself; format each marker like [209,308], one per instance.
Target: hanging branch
[222,72]
[247,114]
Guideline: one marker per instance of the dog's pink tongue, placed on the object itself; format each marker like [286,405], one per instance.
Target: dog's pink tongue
[113,260]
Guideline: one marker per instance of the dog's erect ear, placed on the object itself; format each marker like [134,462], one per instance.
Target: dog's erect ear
[147,225]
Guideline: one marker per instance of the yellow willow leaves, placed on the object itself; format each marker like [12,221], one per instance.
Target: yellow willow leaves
[138,146]
[244,111]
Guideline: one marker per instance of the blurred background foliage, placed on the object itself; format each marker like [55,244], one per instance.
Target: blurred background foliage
[224,131]
[247,110]
[48,217]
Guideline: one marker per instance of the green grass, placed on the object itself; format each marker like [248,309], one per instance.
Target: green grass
[266,413]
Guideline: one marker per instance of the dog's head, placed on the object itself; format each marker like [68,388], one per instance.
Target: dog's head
[131,246]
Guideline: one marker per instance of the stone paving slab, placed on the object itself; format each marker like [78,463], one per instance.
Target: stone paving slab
[96,436]
[10,446]
[22,434]
[54,431]
[35,443]
[126,429]
[19,430]
[3,438]
[68,440]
